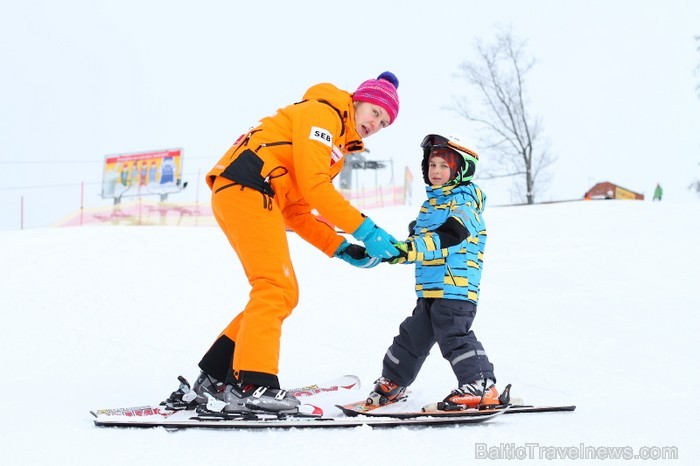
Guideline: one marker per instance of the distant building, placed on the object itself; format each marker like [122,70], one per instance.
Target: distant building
[607,190]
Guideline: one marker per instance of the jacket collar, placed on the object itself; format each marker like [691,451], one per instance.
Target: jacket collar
[341,102]
[444,190]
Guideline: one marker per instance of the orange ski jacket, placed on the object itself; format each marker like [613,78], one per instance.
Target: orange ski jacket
[292,157]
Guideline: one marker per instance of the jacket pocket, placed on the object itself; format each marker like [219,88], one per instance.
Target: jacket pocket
[246,171]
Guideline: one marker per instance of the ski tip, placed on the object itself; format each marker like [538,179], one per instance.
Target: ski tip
[430,407]
[515,409]
[504,399]
[348,410]
[310,410]
[355,381]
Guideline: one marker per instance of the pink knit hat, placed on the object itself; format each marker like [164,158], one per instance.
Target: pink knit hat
[382,92]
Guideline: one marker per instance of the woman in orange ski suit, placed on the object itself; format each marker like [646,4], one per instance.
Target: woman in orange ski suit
[272,178]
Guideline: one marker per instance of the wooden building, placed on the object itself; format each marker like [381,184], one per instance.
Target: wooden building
[607,190]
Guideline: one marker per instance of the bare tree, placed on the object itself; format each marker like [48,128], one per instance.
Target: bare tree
[695,186]
[511,134]
[697,68]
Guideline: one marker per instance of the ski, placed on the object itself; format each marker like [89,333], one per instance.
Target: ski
[515,406]
[357,410]
[362,409]
[314,399]
[184,419]
[345,382]
[519,409]
[446,409]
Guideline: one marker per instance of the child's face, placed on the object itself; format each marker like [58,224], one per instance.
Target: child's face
[438,171]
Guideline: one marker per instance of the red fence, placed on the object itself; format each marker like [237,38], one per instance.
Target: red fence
[142,212]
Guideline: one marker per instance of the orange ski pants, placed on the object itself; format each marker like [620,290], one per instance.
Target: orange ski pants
[256,229]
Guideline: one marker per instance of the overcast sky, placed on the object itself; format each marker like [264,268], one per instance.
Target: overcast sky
[614,84]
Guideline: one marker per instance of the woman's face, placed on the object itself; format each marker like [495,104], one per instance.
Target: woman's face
[370,118]
[438,171]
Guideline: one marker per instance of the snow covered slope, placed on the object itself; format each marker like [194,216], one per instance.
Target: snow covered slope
[588,303]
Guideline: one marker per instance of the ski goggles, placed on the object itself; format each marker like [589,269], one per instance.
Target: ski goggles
[436,141]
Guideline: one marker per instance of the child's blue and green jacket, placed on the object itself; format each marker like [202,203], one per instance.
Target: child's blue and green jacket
[447,243]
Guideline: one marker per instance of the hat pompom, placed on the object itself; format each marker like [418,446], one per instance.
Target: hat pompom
[391,77]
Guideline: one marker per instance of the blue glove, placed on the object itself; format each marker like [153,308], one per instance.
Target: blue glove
[356,255]
[378,242]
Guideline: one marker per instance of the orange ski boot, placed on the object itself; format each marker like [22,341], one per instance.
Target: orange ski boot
[385,391]
[478,394]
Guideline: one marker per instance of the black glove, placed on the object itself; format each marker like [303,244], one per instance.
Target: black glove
[356,255]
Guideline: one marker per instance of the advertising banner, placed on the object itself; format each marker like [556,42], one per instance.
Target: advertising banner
[142,173]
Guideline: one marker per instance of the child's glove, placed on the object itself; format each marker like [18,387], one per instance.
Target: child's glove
[378,242]
[356,255]
[406,253]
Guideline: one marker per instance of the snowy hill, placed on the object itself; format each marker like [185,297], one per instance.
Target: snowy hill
[588,303]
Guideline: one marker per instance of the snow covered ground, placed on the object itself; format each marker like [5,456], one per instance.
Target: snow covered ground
[588,303]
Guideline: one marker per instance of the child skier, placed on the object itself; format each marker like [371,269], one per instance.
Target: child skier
[447,246]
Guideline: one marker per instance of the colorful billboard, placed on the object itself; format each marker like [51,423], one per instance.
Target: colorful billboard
[142,173]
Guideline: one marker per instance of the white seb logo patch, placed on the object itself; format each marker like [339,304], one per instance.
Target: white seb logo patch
[321,135]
